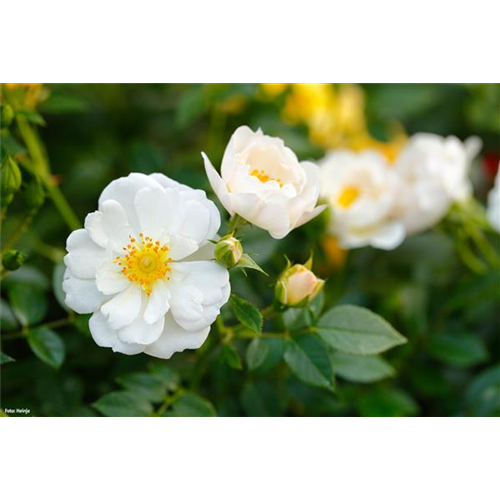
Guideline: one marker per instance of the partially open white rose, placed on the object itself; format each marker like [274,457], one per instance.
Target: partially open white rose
[141,267]
[361,190]
[494,203]
[262,181]
[434,171]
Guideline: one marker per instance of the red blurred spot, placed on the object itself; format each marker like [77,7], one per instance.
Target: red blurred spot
[490,162]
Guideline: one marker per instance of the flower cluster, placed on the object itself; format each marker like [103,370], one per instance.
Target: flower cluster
[377,202]
[144,264]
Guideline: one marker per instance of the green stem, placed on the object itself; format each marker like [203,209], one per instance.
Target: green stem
[204,359]
[15,335]
[41,167]
[33,144]
[52,253]
[468,256]
[236,223]
[269,312]
[18,232]
[169,401]
[51,324]
[60,322]
[62,205]
[485,246]
[250,334]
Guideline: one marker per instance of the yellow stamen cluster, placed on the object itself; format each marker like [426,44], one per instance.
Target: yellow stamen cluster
[145,262]
[348,196]
[263,177]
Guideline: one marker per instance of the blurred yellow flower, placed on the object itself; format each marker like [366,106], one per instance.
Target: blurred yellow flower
[12,85]
[274,89]
[26,95]
[333,114]
[234,104]
[389,149]
[335,255]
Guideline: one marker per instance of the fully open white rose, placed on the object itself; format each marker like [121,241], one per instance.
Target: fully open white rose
[434,172]
[262,181]
[141,267]
[494,203]
[361,190]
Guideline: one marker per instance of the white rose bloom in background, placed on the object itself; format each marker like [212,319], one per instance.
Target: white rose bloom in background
[141,267]
[361,190]
[494,203]
[435,172]
[263,182]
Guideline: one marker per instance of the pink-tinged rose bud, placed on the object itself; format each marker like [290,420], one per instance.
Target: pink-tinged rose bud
[297,286]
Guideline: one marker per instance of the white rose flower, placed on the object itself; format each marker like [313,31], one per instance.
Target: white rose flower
[435,172]
[141,267]
[361,190]
[263,182]
[494,203]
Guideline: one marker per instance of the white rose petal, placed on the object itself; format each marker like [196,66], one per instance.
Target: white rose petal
[83,255]
[362,192]
[198,289]
[82,295]
[262,181]
[109,280]
[434,172]
[105,336]
[109,226]
[127,267]
[123,308]
[140,331]
[377,203]
[176,339]
[158,303]
[494,204]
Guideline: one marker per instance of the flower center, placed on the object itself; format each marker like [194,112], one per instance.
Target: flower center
[145,262]
[348,196]
[263,177]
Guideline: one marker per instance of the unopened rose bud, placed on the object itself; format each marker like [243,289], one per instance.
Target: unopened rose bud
[13,259]
[7,115]
[10,181]
[297,286]
[228,251]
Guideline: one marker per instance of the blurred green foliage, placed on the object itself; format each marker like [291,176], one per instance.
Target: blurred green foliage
[95,133]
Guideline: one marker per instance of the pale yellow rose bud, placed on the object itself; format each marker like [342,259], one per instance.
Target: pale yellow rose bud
[228,251]
[297,286]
